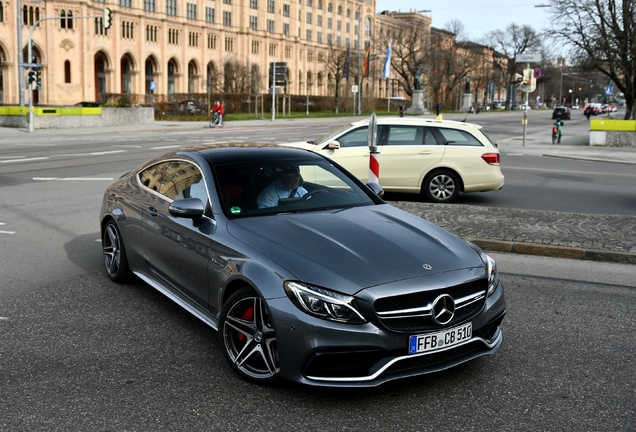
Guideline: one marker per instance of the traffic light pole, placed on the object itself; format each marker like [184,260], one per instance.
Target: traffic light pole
[30,54]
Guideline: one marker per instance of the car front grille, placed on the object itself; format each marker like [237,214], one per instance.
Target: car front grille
[412,312]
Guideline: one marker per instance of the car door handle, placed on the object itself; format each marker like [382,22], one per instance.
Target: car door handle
[425,152]
[152,211]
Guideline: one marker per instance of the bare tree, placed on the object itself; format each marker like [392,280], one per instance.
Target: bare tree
[408,52]
[604,31]
[333,61]
[238,77]
[514,40]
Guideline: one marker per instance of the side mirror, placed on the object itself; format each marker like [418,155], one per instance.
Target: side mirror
[376,188]
[333,145]
[190,208]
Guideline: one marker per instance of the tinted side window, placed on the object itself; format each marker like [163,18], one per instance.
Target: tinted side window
[410,135]
[459,138]
[175,180]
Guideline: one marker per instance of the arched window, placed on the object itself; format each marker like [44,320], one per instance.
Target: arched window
[367,27]
[348,13]
[63,20]
[329,8]
[67,72]
[69,20]
[339,10]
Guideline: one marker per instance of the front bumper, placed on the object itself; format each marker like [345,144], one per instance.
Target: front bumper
[324,353]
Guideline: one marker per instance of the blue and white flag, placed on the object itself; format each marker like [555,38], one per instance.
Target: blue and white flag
[387,62]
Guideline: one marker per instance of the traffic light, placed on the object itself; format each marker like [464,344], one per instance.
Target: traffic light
[31,79]
[107,18]
[278,74]
[38,79]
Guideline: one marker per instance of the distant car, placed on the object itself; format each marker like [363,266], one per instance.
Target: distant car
[575,106]
[611,108]
[562,112]
[330,288]
[434,158]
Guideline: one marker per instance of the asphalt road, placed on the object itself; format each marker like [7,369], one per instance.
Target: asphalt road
[78,352]
[88,354]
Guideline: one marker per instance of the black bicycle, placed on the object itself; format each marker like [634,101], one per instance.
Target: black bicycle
[215,120]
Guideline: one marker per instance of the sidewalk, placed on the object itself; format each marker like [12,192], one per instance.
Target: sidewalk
[568,235]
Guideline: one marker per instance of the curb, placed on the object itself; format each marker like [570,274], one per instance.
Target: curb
[554,251]
[590,159]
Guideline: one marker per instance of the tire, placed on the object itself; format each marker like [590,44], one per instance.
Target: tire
[114,252]
[248,339]
[441,187]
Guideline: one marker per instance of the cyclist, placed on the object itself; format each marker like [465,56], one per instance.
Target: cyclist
[218,109]
[556,130]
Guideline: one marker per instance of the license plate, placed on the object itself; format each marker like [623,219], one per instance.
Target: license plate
[439,340]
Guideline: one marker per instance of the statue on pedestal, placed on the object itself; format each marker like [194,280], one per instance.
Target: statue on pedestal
[417,82]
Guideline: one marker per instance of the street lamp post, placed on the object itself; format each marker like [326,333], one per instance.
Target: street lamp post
[20,55]
[359,61]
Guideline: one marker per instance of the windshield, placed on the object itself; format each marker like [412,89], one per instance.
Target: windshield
[268,187]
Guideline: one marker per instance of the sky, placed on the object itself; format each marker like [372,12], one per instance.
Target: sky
[478,16]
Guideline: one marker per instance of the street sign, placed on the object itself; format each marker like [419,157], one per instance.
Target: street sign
[354,89]
[528,58]
[31,65]
[277,90]
[529,83]
[537,73]
[608,90]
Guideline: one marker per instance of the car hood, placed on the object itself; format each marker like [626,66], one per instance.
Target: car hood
[348,250]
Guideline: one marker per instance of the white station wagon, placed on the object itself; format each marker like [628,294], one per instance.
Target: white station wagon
[435,158]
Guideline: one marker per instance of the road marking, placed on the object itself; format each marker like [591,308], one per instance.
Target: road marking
[165,147]
[24,159]
[4,319]
[72,178]
[128,146]
[12,157]
[6,232]
[514,154]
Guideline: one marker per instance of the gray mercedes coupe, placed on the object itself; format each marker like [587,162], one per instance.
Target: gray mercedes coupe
[304,271]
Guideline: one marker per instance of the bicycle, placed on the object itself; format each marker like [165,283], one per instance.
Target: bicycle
[215,120]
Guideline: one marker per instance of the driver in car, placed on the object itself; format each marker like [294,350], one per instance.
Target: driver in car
[287,185]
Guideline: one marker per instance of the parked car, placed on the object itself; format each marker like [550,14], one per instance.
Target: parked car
[434,158]
[331,287]
[562,112]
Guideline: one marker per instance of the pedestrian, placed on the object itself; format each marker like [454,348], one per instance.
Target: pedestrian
[401,110]
[588,112]
[438,108]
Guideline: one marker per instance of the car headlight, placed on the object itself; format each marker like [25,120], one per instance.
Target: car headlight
[323,303]
[491,267]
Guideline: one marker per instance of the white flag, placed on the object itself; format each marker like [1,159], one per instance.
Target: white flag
[387,62]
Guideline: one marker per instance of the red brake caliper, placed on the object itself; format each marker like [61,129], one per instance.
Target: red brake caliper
[248,315]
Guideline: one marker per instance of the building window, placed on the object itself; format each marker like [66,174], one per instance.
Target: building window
[286,29]
[329,23]
[339,10]
[271,6]
[339,25]
[173,37]
[253,4]
[256,47]
[272,50]
[319,37]
[309,18]
[309,35]
[319,20]
[125,3]
[329,38]
[270,26]
[285,10]
[338,41]
[191,11]
[227,18]
[329,8]
[151,33]
[149,5]
[67,72]
[193,39]
[347,28]
[99,27]
[209,15]
[63,19]
[348,13]
[254,23]
[367,27]
[212,38]
[171,7]
[229,44]
[227,2]
[288,52]
[319,5]
[310,56]
[127,30]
